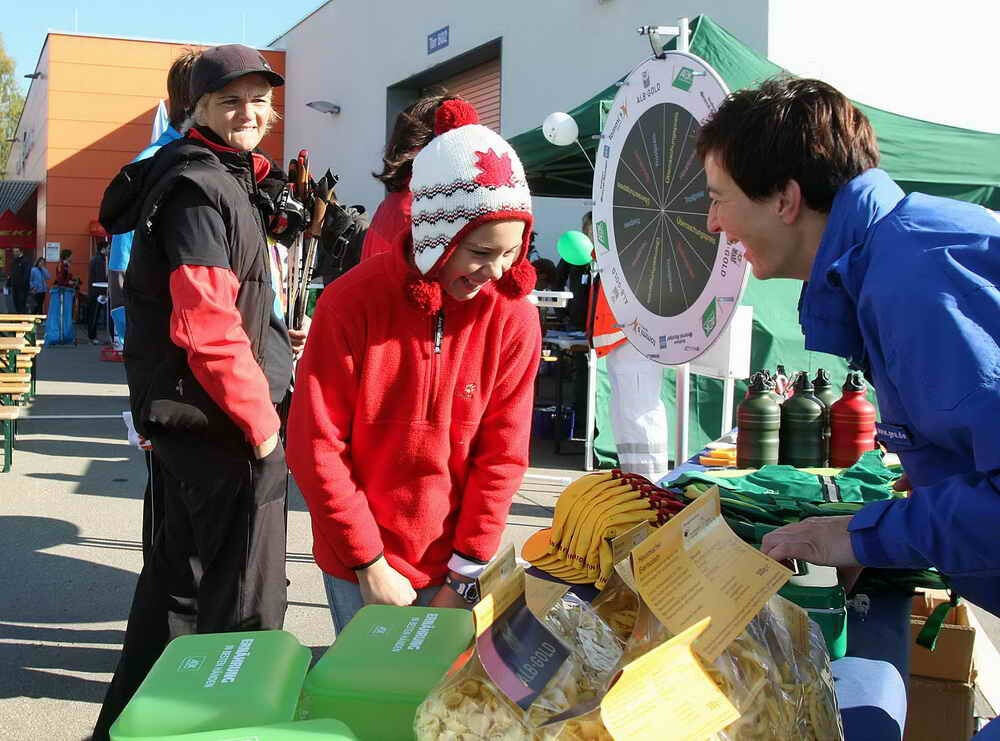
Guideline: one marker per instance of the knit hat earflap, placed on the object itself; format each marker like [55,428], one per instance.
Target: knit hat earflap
[466,176]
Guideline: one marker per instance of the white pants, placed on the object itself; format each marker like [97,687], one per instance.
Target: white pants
[638,416]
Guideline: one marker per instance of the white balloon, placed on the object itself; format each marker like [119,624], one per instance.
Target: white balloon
[560,129]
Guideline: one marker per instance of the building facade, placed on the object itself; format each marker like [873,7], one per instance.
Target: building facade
[518,61]
[88,112]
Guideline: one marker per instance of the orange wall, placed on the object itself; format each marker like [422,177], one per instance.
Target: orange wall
[102,98]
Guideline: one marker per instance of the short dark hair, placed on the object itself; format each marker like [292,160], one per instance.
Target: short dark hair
[413,129]
[179,87]
[65,254]
[790,129]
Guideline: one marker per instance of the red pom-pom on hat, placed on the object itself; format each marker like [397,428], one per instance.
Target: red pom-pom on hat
[424,295]
[454,113]
[519,281]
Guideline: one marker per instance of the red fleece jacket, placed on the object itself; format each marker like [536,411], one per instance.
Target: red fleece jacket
[390,226]
[402,450]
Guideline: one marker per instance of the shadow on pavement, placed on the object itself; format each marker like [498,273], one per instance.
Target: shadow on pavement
[48,595]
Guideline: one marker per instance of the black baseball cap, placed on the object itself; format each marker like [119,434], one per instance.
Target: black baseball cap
[217,67]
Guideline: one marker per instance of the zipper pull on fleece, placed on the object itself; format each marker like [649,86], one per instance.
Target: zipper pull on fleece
[438,331]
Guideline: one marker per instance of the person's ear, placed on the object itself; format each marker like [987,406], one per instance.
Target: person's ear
[789,203]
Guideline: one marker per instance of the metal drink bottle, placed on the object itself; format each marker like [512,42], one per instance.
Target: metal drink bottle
[823,387]
[758,419]
[802,441]
[823,390]
[852,423]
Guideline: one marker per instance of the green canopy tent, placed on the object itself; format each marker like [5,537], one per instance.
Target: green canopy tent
[920,155]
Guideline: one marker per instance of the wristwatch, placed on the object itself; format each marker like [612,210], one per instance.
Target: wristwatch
[467,590]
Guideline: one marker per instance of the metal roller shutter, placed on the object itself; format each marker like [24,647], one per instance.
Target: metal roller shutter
[480,85]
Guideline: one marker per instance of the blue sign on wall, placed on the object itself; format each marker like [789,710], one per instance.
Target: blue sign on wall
[437,40]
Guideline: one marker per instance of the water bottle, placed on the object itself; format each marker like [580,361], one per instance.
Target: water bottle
[802,441]
[758,418]
[823,390]
[852,423]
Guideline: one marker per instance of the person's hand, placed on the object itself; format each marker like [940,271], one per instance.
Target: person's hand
[823,541]
[298,337]
[902,484]
[267,447]
[383,585]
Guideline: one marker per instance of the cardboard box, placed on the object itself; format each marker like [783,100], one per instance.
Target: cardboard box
[939,710]
[952,657]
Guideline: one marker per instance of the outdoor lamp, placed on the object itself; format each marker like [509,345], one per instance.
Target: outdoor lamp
[324,106]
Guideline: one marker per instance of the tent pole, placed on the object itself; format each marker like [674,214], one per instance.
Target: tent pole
[683,44]
[681,409]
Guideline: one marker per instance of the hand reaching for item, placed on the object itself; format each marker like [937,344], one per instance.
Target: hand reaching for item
[383,585]
[824,541]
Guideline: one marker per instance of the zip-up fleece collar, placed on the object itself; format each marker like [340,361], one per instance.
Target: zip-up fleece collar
[261,164]
[827,305]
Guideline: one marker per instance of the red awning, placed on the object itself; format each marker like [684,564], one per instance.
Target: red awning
[15,233]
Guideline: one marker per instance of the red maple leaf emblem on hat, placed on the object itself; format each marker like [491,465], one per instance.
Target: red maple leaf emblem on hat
[495,169]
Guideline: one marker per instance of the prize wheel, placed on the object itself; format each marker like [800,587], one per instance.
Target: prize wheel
[672,285]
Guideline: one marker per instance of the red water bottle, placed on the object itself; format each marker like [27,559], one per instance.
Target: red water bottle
[852,424]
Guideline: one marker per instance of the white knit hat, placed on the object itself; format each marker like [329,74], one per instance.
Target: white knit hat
[466,176]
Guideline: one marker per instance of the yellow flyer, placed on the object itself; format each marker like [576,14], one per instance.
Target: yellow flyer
[667,694]
[696,567]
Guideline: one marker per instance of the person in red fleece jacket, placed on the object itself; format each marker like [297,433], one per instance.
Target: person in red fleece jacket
[414,127]
[409,428]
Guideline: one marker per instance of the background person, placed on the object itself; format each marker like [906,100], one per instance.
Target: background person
[409,428]
[38,286]
[906,287]
[414,127]
[97,273]
[199,304]
[18,281]
[178,107]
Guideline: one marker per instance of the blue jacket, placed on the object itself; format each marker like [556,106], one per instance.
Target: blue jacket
[907,288]
[121,244]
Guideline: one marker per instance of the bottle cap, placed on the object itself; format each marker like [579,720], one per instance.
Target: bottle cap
[854,382]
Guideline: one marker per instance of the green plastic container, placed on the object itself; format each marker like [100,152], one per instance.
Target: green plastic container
[827,607]
[301,730]
[382,667]
[215,682]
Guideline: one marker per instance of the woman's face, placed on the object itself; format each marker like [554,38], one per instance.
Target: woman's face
[485,254]
[239,113]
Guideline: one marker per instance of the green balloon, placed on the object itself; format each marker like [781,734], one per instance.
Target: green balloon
[575,248]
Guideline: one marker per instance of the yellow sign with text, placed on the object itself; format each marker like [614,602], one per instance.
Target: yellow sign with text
[667,694]
[696,567]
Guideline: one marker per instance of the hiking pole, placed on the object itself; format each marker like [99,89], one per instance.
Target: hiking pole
[323,196]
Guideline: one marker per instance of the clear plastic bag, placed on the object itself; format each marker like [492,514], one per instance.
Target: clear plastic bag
[585,727]
[776,673]
[595,656]
[618,606]
[466,706]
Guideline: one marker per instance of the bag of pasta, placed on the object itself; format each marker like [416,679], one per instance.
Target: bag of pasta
[618,606]
[466,706]
[595,656]
[777,674]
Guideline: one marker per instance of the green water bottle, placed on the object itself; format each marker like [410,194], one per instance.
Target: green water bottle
[802,420]
[824,391]
[823,387]
[759,419]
